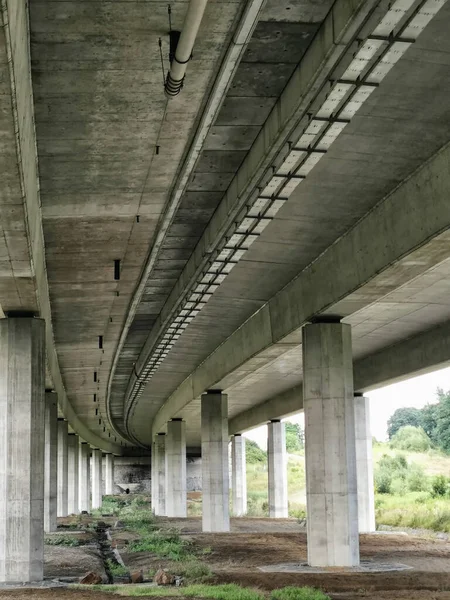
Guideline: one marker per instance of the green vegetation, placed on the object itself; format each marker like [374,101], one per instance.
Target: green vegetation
[417,510]
[165,543]
[411,438]
[62,540]
[297,593]
[229,591]
[116,569]
[254,454]
[403,417]
[295,438]
[434,419]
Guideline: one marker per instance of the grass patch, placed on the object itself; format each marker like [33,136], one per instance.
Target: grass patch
[228,591]
[163,543]
[62,540]
[298,593]
[415,510]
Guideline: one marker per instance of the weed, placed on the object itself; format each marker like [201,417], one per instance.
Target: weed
[116,569]
[298,593]
[62,540]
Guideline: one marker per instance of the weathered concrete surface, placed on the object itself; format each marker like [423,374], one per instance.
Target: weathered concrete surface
[51,462]
[73,453]
[277,470]
[176,469]
[330,449]
[238,476]
[96,479]
[364,465]
[85,477]
[63,482]
[159,505]
[22,422]
[109,474]
[215,469]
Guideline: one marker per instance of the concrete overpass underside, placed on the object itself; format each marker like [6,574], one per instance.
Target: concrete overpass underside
[229,239]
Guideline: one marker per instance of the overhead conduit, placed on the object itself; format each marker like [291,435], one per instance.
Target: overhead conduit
[183,53]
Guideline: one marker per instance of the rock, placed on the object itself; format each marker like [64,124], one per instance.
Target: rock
[119,525]
[137,577]
[162,577]
[101,525]
[91,578]
[84,512]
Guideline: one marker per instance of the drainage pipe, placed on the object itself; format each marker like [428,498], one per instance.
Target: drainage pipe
[183,53]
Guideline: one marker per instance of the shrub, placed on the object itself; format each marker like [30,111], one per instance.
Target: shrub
[298,593]
[439,485]
[416,479]
[413,439]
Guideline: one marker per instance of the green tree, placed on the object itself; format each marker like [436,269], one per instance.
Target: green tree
[442,431]
[254,454]
[429,420]
[294,437]
[411,438]
[403,417]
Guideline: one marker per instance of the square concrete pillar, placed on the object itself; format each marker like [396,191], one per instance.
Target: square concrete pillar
[238,475]
[84,477]
[215,473]
[277,470]
[73,453]
[330,450]
[153,478]
[63,482]
[364,465]
[159,475]
[96,478]
[22,440]
[176,498]
[51,462]
[109,474]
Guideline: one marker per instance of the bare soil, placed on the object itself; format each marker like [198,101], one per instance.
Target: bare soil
[236,556]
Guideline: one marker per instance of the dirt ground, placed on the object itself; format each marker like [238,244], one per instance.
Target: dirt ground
[235,558]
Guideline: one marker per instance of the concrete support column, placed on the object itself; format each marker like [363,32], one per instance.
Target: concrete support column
[51,462]
[73,453]
[153,478]
[330,451]
[364,465]
[176,501]
[215,472]
[238,475]
[160,474]
[22,435]
[109,474]
[277,470]
[63,434]
[84,477]
[96,477]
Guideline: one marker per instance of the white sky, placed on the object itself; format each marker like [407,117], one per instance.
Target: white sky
[416,392]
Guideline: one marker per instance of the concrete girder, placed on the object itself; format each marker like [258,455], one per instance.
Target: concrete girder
[328,47]
[15,21]
[405,234]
